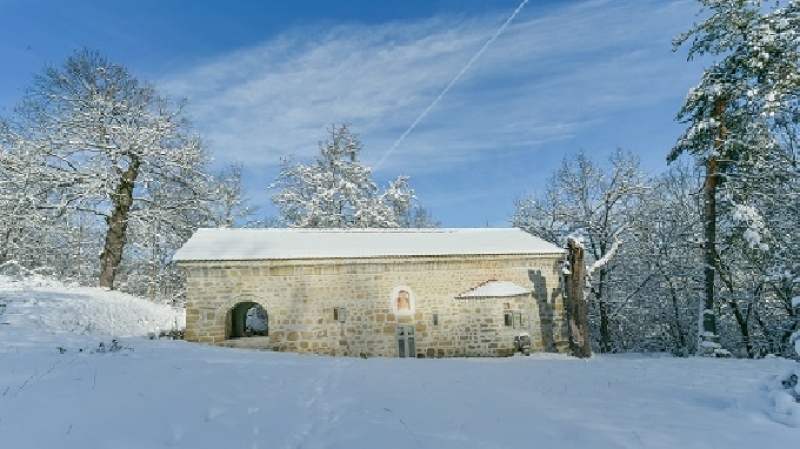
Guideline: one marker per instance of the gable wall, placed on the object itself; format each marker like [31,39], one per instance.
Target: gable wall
[300,295]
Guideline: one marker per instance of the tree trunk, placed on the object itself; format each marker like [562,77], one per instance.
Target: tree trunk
[709,335]
[116,238]
[679,339]
[577,306]
[744,329]
[605,332]
[710,225]
[5,245]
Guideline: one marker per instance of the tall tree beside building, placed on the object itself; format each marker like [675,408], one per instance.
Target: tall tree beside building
[733,112]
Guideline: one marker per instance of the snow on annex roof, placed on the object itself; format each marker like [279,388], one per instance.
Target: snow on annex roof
[494,289]
[279,243]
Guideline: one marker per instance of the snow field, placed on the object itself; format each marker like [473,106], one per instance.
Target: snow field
[57,389]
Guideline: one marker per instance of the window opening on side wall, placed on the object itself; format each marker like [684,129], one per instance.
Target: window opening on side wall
[339,314]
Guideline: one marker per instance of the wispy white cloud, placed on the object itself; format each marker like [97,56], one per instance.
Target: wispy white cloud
[549,75]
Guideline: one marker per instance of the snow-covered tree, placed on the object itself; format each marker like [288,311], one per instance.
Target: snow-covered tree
[417,216]
[734,110]
[107,144]
[25,223]
[656,300]
[337,191]
[232,205]
[593,203]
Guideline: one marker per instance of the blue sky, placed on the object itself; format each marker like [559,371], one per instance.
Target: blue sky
[265,79]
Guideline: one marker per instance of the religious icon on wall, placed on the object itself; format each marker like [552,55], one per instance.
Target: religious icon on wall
[402,300]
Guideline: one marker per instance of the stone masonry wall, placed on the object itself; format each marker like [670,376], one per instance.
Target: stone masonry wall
[300,297]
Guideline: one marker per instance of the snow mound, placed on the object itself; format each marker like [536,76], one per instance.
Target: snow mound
[48,305]
[784,392]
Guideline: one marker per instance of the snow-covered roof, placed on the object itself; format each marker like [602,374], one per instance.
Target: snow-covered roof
[272,243]
[495,289]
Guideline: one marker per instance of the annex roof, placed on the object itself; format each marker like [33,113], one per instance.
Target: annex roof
[494,289]
[280,243]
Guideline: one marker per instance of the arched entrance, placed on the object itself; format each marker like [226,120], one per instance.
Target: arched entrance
[246,319]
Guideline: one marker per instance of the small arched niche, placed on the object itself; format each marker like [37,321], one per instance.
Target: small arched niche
[247,319]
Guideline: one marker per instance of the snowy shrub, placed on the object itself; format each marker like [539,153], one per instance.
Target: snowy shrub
[102,348]
[174,334]
[114,346]
[795,340]
[784,392]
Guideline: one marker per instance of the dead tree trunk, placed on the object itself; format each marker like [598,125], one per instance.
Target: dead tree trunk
[577,306]
[122,201]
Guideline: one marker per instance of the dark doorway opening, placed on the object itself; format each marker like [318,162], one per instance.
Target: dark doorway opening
[247,319]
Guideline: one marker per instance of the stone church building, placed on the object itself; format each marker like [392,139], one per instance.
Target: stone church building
[374,292]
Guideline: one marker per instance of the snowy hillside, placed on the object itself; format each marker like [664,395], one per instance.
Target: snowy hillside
[49,306]
[60,388]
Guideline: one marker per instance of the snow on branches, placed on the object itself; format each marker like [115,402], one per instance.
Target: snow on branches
[106,148]
[337,191]
[756,79]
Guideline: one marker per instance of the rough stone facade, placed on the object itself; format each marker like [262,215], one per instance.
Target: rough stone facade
[345,306]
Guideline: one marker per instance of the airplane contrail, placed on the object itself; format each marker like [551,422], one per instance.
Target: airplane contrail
[455,80]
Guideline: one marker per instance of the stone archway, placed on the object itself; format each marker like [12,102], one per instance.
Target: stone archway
[246,319]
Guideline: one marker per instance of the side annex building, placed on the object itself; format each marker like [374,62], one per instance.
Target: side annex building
[374,292]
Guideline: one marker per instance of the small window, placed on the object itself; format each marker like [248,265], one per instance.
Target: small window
[339,314]
[513,319]
[435,319]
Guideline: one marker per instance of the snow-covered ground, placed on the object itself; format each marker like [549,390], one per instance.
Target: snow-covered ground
[59,389]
